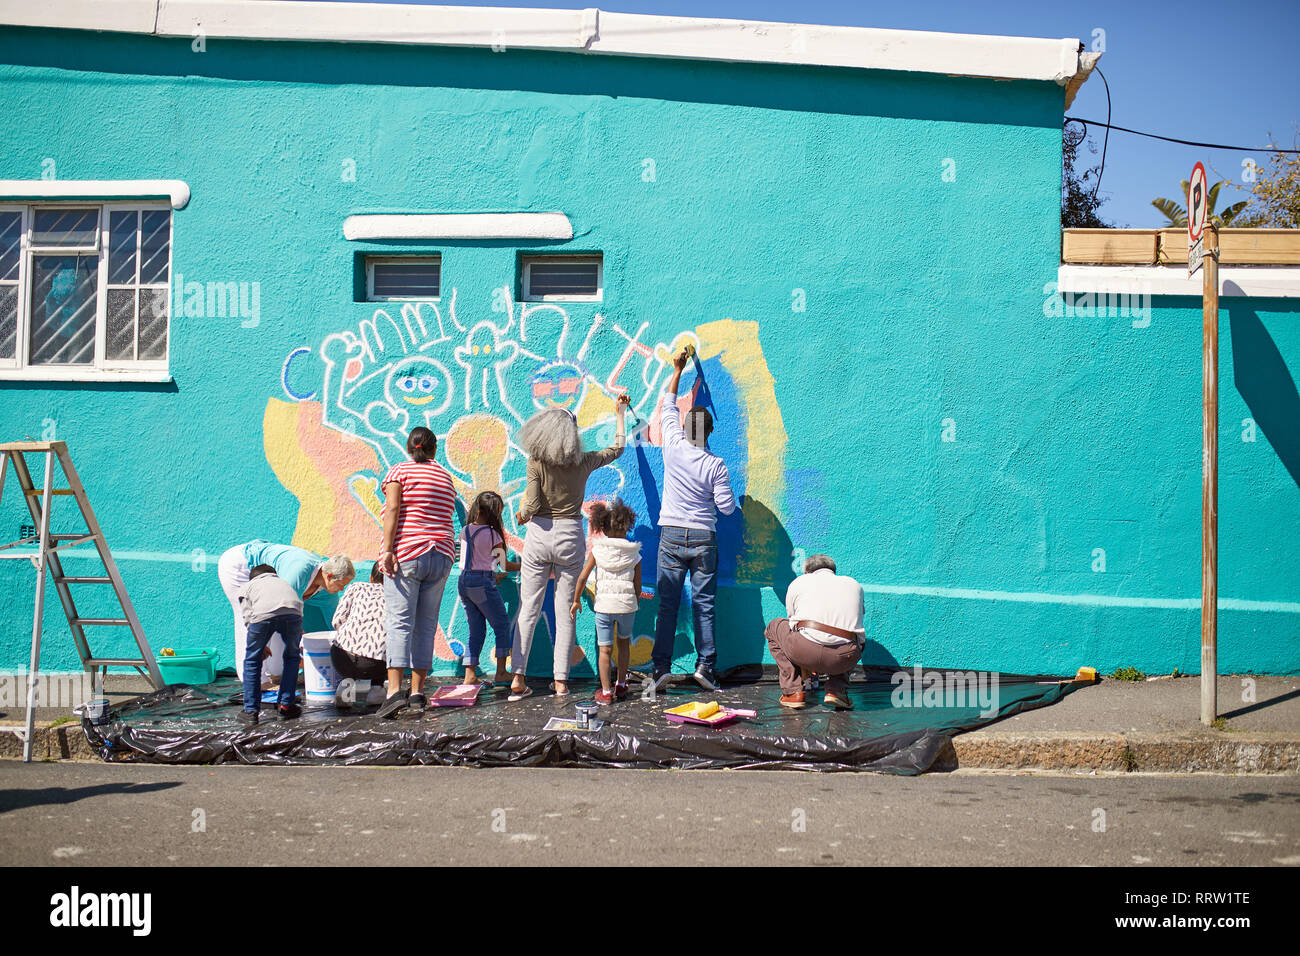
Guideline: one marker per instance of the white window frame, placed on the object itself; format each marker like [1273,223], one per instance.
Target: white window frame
[20,328]
[101,369]
[526,267]
[372,261]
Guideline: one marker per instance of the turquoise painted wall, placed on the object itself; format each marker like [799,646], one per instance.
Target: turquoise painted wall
[864,259]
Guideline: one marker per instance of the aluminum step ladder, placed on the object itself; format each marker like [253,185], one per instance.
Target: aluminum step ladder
[47,554]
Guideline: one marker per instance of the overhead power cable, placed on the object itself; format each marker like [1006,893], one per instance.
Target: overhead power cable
[1181,142]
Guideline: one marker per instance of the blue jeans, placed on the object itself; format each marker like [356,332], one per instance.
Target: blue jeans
[483,605]
[606,624]
[289,627]
[683,551]
[412,600]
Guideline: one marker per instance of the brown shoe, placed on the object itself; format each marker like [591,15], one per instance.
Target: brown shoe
[793,701]
[838,701]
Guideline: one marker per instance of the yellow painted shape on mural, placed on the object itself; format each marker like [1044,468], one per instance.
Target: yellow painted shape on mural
[478,446]
[363,486]
[679,342]
[640,650]
[595,407]
[299,476]
[736,346]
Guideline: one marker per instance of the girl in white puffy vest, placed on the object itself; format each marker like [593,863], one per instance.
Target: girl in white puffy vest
[617,564]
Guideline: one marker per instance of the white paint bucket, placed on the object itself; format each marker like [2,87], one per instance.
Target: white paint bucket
[321,680]
[97,711]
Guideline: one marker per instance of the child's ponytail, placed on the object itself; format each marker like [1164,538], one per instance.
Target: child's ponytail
[613,520]
[600,517]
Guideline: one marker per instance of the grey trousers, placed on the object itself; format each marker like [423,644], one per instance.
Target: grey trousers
[552,545]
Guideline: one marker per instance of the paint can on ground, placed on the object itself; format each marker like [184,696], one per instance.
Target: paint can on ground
[97,711]
[321,679]
[587,711]
[362,691]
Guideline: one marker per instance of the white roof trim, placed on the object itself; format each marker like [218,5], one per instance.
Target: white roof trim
[1250,281]
[579,31]
[173,189]
[459,225]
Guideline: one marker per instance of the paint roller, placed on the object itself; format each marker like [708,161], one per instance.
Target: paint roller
[705,394]
[635,421]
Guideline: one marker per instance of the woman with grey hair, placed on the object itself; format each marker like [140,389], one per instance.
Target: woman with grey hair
[556,544]
[315,579]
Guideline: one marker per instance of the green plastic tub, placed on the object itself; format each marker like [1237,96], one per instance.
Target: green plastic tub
[189,666]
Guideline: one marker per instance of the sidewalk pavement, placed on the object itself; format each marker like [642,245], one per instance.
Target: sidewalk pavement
[1147,726]
[1153,726]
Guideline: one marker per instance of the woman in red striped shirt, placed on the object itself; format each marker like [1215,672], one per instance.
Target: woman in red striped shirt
[419,499]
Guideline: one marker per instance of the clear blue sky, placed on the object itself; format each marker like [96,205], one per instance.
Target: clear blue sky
[1247,52]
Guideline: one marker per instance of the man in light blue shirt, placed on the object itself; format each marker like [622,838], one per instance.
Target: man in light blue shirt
[696,482]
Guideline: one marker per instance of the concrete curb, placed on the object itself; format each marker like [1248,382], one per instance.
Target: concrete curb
[1230,752]
[64,742]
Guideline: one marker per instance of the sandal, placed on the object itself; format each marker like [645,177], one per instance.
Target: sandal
[520,695]
[557,693]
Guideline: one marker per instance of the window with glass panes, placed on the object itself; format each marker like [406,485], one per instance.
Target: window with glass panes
[573,278]
[84,286]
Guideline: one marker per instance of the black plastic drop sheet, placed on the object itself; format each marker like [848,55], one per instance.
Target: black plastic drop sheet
[889,731]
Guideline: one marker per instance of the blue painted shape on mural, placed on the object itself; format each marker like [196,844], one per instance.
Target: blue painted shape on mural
[642,471]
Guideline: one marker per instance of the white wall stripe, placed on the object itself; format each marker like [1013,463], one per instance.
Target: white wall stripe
[903,590]
[174,190]
[1087,600]
[452,225]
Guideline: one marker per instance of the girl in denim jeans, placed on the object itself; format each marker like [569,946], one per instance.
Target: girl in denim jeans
[616,562]
[482,546]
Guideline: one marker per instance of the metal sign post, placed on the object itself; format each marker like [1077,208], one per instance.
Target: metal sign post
[1205,254]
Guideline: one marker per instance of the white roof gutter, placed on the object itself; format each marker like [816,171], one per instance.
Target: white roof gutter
[579,31]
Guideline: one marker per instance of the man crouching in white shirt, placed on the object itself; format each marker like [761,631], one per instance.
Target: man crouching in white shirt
[823,633]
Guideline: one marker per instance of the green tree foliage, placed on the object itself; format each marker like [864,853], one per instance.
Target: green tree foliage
[1274,194]
[1078,205]
[1177,215]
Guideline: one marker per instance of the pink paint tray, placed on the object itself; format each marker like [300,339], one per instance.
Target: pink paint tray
[455,695]
[686,714]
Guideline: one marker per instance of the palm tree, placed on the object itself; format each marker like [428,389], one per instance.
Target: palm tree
[1177,215]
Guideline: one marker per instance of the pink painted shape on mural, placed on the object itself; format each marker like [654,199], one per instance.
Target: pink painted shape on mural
[654,433]
[441,649]
[336,456]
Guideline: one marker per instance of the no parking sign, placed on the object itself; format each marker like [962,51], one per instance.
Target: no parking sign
[1197,205]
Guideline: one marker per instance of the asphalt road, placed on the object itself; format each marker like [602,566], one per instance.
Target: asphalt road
[141,815]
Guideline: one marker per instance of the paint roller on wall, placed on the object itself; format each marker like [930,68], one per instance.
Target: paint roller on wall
[635,421]
[706,397]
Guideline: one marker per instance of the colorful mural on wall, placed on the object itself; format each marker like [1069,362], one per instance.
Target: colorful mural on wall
[350,400]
